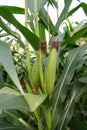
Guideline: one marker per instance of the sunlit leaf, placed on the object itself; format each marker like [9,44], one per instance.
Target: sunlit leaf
[11,99]
[15,9]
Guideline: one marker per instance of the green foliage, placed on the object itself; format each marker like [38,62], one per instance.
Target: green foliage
[32,38]
[41,89]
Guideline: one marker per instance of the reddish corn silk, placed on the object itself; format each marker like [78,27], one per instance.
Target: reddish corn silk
[36,86]
[56,45]
[43,46]
[35,89]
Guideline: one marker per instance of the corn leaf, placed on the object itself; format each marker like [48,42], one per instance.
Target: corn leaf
[4,127]
[62,16]
[67,75]
[10,32]
[42,31]
[31,38]
[44,16]
[7,62]
[83,79]
[11,99]
[15,9]
[81,5]
[66,115]
[53,3]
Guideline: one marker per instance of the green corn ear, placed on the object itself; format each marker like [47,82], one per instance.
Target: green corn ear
[50,71]
[35,72]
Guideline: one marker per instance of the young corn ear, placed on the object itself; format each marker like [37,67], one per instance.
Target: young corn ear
[35,72]
[50,71]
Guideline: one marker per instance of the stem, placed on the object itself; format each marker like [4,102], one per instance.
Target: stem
[36,18]
[48,22]
[26,42]
[40,127]
[37,115]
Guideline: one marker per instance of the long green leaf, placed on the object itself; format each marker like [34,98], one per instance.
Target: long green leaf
[83,79]
[65,117]
[42,31]
[1,80]
[10,32]
[62,16]
[44,16]
[68,112]
[67,75]
[16,120]
[12,127]
[15,9]
[81,5]
[32,38]
[12,118]
[5,126]
[53,3]
[11,99]
[7,62]
[76,35]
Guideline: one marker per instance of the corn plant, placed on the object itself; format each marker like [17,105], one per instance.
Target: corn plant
[41,90]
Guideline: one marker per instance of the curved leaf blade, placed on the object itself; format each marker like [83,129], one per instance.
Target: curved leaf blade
[9,31]
[62,85]
[83,79]
[76,35]
[34,100]
[4,126]
[66,115]
[81,5]
[7,62]
[11,99]
[31,37]
[62,16]
[44,16]
[15,9]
